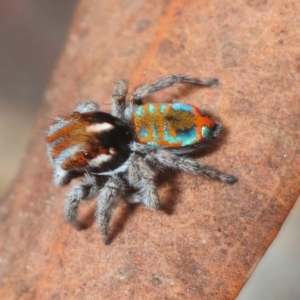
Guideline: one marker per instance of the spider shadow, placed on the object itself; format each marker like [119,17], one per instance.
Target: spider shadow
[184,90]
[168,183]
[176,92]
[120,217]
[125,210]
[207,148]
[167,179]
[86,215]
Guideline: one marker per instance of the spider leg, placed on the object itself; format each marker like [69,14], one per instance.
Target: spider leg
[118,99]
[141,176]
[108,198]
[164,159]
[85,190]
[88,106]
[166,82]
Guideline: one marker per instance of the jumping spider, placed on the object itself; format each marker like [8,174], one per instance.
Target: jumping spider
[118,152]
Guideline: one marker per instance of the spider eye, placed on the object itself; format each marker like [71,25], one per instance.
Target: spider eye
[87,155]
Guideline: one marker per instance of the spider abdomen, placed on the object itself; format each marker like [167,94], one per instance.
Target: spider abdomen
[172,125]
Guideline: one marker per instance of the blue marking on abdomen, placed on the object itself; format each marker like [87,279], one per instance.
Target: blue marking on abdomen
[143,132]
[182,106]
[162,108]
[155,131]
[186,137]
[151,108]
[152,143]
[139,111]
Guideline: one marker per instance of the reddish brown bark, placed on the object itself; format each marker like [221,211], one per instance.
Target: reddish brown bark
[215,234]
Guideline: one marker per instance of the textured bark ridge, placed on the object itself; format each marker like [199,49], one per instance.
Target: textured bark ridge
[208,241]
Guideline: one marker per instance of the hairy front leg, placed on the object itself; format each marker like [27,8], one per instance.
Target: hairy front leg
[108,198]
[118,99]
[85,190]
[164,159]
[141,176]
[168,81]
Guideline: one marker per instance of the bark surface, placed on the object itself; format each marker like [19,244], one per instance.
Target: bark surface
[209,240]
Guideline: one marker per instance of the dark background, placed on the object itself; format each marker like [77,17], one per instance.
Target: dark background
[32,35]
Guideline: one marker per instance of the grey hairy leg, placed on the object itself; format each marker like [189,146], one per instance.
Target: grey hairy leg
[164,159]
[85,190]
[168,81]
[88,106]
[118,99]
[141,176]
[108,198]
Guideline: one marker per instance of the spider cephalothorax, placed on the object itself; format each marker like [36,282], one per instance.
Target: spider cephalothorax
[117,154]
